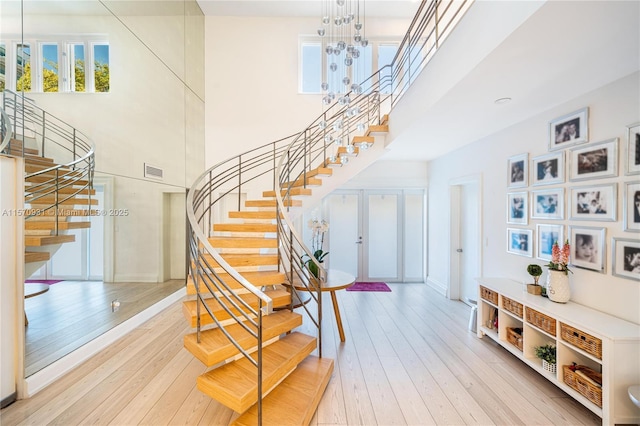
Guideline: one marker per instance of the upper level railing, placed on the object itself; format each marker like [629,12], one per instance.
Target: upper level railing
[73,153]
[5,130]
[283,163]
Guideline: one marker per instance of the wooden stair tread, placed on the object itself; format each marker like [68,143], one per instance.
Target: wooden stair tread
[245,227]
[243,242]
[62,190]
[295,191]
[309,181]
[50,225]
[257,278]
[235,384]
[50,177]
[242,259]
[36,256]
[35,159]
[379,128]
[17,151]
[272,203]
[73,200]
[296,399]
[343,151]
[215,347]
[279,296]
[246,214]
[37,241]
[360,139]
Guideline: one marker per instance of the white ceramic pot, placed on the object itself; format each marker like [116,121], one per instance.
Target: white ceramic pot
[551,368]
[558,289]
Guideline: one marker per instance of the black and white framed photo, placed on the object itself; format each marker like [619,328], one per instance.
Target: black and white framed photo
[626,258]
[518,171]
[631,206]
[548,169]
[587,248]
[520,241]
[597,160]
[517,212]
[547,204]
[633,149]
[597,202]
[547,236]
[568,130]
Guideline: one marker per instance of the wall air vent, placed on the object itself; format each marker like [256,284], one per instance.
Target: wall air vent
[153,172]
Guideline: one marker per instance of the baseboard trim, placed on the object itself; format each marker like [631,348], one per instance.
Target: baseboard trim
[43,378]
[9,400]
[438,287]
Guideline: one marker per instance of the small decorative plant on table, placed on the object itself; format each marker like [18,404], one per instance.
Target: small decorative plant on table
[318,229]
[535,271]
[547,353]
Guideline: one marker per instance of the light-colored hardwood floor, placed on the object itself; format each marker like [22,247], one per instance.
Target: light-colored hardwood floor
[73,313]
[408,359]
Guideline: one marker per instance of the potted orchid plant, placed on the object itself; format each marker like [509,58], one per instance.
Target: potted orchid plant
[318,229]
[558,289]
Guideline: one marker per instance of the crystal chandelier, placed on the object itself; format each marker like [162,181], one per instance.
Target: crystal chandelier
[342,33]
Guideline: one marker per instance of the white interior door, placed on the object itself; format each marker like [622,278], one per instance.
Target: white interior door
[465,239]
[345,232]
[382,239]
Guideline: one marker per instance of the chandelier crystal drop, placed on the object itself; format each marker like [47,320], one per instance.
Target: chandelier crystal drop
[342,32]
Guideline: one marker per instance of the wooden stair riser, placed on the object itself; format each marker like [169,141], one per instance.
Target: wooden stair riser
[258,279]
[36,256]
[73,201]
[35,241]
[235,384]
[280,298]
[342,151]
[244,227]
[296,399]
[243,242]
[272,203]
[245,260]
[215,347]
[51,225]
[295,191]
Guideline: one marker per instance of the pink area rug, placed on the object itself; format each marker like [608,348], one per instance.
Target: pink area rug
[361,286]
[43,281]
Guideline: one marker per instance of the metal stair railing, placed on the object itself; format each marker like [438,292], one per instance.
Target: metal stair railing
[5,130]
[73,152]
[289,160]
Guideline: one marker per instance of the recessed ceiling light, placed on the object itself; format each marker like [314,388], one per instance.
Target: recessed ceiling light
[501,101]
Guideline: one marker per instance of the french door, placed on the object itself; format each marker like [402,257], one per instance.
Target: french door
[377,235]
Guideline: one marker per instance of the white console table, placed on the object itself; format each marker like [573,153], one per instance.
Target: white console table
[619,361]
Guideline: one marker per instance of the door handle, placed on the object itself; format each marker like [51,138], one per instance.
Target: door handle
[459,250]
[359,240]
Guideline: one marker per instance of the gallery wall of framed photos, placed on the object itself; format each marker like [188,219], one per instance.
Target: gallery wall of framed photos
[573,193]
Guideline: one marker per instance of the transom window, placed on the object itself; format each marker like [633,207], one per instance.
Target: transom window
[49,65]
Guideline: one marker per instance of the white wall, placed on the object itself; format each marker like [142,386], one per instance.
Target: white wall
[611,109]
[252,80]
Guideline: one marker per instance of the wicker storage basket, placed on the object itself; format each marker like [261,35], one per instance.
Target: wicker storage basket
[512,306]
[542,321]
[514,337]
[582,340]
[590,391]
[489,295]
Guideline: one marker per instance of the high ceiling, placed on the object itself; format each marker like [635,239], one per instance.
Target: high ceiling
[373,8]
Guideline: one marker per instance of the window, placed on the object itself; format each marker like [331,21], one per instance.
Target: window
[51,65]
[49,76]
[311,68]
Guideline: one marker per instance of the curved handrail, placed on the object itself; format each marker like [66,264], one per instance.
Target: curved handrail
[5,130]
[72,150]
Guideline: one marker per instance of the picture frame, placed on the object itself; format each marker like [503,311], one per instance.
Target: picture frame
[548,169]
[597,202]
[587,248]
[518,171]
[547,235]
[594,161]
[568,130]
[517,209]
[633,149]
[626,258]
[547,204]
[520,241]
[631,207]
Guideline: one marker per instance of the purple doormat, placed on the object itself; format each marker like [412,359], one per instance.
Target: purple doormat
[43,281]
[360,286]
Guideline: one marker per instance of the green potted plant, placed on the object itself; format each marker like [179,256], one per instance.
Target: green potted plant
[547,353]
[535,271]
